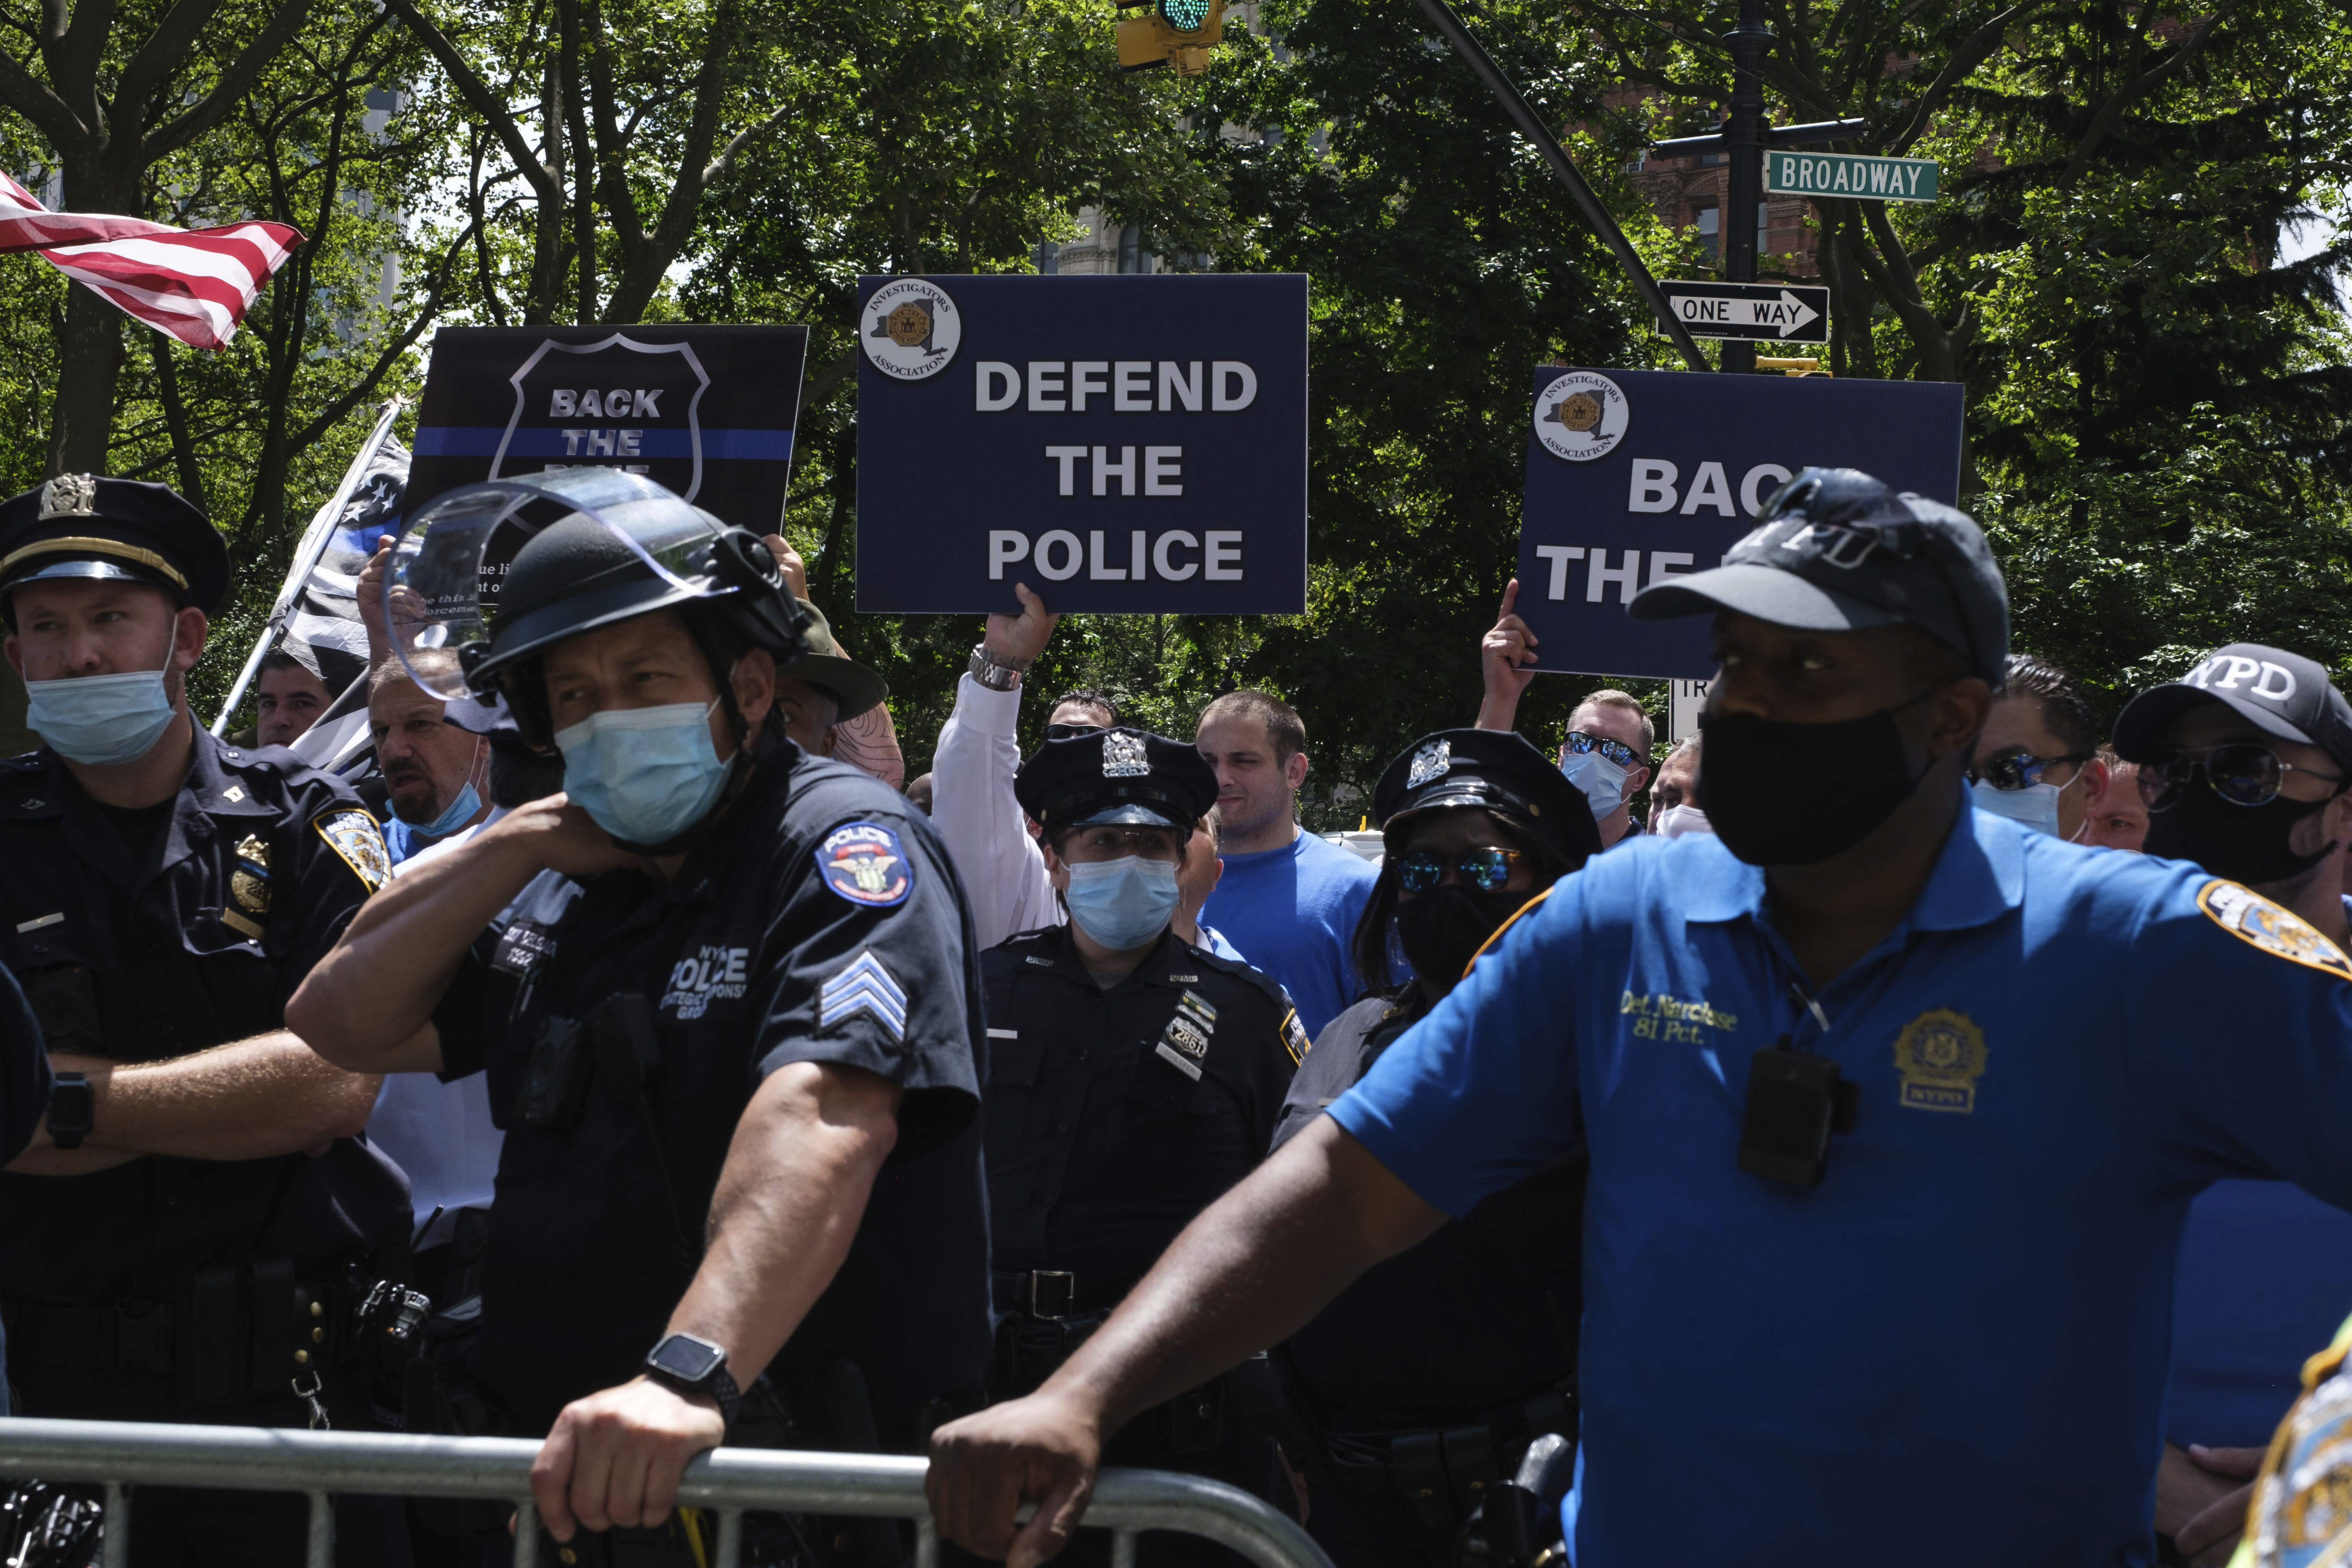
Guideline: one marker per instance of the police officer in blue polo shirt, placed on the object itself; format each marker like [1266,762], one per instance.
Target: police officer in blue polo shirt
[1894,1108]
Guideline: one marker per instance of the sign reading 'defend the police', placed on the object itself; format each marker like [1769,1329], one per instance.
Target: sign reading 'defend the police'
[1635,476]
[707,412]
[1128,444]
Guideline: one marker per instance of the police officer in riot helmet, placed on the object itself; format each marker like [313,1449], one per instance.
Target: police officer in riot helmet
[1133,1078]
[1425,1380]
[195,1232]
[735,1064]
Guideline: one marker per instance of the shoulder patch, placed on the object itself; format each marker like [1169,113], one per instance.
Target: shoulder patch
[1294,1038]
[2250,916]
[863,862]
[352,834]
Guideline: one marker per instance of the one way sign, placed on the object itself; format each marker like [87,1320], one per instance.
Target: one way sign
[1755,312]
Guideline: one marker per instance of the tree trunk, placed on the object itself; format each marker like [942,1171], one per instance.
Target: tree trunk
[90,360]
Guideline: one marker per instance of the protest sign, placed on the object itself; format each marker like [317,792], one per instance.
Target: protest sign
[1636,474]
[707,412]
[1120,443]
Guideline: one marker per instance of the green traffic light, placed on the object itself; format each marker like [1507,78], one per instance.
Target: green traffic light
[1185,15]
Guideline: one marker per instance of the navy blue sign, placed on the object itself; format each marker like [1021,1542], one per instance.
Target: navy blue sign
[707,412]
[1133,444]
[1637,475]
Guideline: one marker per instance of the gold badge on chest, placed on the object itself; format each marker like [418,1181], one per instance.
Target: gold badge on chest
[248,887]
[1940,1056]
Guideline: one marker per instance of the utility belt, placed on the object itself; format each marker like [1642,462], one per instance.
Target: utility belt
[1055,1312]
[1442,1473]
[234,1335]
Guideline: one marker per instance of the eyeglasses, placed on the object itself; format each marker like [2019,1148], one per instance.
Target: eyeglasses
[1419,870]
[2243,773]
[2019,770]
[1105,841]
[1064,731]
[1578,743]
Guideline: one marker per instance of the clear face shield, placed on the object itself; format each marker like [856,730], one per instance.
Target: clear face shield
[442,595]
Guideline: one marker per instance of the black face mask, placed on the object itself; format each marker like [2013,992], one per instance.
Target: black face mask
[1443,929]
[2244,843]
[1792,794]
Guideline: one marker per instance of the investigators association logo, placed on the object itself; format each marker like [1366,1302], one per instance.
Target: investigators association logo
[1581,416]
[910,329]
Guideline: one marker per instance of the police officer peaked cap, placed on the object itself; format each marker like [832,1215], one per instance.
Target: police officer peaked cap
[1837,550]
[1493,769]
[91,527]
[2281,694]
[1123,776]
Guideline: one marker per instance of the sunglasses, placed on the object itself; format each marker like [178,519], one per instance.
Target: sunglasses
[2019,770]
[1064,731]
[2243,773]
[1579,743]
[1419,870]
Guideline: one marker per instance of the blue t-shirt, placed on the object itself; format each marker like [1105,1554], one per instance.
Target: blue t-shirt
[1953,1351]
[1293,911]
[2265,1278]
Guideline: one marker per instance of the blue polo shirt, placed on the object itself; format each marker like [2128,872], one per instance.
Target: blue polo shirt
[1953,1351]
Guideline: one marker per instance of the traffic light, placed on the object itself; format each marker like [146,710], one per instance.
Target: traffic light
[1178,33]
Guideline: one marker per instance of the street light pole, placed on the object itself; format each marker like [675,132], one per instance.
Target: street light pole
[1744,141]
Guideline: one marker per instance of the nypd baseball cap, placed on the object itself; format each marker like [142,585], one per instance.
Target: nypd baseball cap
[1837,550]
[2283,694]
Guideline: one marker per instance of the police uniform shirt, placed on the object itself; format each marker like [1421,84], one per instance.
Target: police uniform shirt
[818,922]
[1117,1114]
[1953,1349]
[195,940]
[1478,1317]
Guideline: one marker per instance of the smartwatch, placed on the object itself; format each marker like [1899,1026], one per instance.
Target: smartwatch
[988,672]
[73,1106]
[696,1367]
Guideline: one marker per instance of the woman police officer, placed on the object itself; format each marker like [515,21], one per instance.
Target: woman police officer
[1422,1382]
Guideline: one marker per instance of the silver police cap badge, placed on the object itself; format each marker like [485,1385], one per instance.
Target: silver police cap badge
[1124,758]
[1433,761]
[70,495]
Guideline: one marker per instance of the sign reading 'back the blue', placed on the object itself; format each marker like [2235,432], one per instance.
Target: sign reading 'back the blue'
[1635,476]
[1123,443]
[707,412]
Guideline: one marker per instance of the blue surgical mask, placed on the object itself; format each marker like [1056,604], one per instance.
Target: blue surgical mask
[101,720]
[1122,903]
[1602,781]
[461,812]
[2034,806]
[642,774]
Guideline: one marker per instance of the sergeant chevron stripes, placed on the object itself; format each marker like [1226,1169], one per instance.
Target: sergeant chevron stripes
[865,986]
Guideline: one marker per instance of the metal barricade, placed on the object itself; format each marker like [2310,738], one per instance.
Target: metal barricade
[125,1453]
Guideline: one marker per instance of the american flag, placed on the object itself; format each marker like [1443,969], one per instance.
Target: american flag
[193,283]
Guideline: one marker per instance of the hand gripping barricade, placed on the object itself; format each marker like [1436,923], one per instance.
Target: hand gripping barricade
[726,1482]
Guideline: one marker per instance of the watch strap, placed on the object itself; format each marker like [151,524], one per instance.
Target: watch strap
[991,672]
[718,1383]
[69,1093]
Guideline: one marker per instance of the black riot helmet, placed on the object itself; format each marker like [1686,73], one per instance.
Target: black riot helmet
[489,577]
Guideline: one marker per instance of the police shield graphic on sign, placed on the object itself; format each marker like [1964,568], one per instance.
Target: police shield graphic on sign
[618,403]
[910,329]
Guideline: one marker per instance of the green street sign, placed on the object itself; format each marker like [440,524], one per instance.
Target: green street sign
[1850,174]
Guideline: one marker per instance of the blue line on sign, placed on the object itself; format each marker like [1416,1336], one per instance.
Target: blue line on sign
[529,441]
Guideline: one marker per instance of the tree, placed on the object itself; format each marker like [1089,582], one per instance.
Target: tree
[115,90]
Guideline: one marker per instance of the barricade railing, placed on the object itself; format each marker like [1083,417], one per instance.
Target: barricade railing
[122,1455]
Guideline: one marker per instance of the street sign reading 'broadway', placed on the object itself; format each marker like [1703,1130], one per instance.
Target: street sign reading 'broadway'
[1753,312]
[1850,174]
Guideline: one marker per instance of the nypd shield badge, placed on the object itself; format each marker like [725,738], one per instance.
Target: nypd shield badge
[615,403]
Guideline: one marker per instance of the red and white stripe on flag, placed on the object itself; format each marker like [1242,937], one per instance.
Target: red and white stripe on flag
[195,284]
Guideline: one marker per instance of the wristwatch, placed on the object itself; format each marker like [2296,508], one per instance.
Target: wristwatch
[696,1367]
[73,1106]
[991,672]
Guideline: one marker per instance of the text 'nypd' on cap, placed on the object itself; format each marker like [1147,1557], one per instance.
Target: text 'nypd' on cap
[2283,694]
[1838,550]
[90,527]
